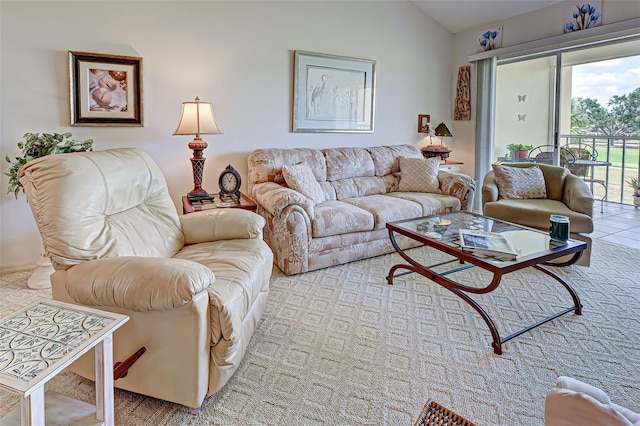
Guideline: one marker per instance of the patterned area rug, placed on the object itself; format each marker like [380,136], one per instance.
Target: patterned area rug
[340,346]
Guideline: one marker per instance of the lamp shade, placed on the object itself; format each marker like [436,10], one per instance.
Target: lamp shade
[197,119]
[442,130]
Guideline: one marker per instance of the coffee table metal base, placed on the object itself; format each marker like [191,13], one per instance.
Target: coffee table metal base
[461,290]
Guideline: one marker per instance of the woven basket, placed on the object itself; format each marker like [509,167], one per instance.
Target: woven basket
[434,414]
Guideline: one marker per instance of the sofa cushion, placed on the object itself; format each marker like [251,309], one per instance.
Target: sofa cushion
[385,158]
[534,212]
[359,187]
[343,163]
[519,183]
[336,217]
[431,203]
[299,177]
[419,175]
[386,209]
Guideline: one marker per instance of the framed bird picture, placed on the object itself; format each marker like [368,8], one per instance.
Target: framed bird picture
[333,93]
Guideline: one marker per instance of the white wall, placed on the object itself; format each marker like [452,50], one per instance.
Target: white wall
[237,55]
[535,25]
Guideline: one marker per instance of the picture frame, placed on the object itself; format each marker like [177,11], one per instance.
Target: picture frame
[333,93]
[424,123]
[105,90]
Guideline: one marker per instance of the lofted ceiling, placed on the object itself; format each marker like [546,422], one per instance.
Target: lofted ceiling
[460,15]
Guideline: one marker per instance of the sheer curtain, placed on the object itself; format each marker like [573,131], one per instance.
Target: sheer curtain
[485,119]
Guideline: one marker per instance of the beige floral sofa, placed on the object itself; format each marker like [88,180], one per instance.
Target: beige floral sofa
[348,196]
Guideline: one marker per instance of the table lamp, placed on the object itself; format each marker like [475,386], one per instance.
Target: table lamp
[197,119]
[443,130]
[438,150]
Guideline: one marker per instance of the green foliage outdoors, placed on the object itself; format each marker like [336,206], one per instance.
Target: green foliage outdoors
[36,146]
[620,117]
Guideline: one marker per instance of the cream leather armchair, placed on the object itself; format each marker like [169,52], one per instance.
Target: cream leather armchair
[575,403]
[567,195]
[194,286]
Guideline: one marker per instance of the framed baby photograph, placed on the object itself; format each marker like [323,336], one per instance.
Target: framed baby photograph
[105,90]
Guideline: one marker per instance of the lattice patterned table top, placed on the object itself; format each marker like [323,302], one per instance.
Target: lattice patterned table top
[34,338]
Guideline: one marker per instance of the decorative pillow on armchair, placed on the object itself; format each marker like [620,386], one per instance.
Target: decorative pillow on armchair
[519,182]
[419,175]
[299,177]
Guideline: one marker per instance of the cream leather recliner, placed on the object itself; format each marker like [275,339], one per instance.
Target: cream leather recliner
[575,403]
[194,286]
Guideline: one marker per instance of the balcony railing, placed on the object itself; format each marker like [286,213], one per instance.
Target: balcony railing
[623,154]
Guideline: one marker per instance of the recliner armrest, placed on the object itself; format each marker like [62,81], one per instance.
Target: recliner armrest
[577,195]
[221,224]
[137,283]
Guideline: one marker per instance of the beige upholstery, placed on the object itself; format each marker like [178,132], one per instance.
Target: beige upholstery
[567,195]
[361,195]
[575,403]
[194,286]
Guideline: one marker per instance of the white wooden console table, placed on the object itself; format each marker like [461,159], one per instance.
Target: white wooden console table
[39,342]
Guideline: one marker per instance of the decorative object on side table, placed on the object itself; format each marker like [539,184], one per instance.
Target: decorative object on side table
[441,150]
[225,201]
[197,119]
[229,182]
[106,90]
[635,184]
[424,123]
[38,145]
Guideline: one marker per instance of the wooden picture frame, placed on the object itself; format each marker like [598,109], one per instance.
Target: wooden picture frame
[105,90]
[424,123]
[333,93]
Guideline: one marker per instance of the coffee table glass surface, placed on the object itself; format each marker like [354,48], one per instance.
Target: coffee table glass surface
[442,232]
[534,249]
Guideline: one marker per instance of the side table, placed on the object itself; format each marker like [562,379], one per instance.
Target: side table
[451,166]
[244,202]
[40,341]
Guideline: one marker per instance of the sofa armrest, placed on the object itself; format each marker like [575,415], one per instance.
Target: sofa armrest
[137,283]
[577,195]
[458,185]
[221,224]
[274,198]
[490,192]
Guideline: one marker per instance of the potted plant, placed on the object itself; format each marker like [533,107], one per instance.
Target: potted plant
[36,146]
[519,151]
[635,184]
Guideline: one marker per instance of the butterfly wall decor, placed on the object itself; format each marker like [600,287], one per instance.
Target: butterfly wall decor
[522,98]
[521,117]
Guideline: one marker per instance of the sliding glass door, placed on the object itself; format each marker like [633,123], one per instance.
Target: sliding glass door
[526,107]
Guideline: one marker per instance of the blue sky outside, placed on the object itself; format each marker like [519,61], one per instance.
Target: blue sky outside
[602,80]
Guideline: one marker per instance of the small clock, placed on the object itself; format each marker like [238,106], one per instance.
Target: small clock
[229,182]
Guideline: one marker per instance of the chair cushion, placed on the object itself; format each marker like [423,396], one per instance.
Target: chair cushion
[519,183]
[419,175]
[299,177]
[123,207]
[535,213]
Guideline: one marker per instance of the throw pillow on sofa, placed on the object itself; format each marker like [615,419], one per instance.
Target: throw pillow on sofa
[299,177]
[519,183]
[419,175]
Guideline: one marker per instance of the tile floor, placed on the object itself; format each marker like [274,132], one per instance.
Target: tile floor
[619,224]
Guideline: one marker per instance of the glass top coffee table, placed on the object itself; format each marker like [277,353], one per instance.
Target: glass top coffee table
[535,249]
